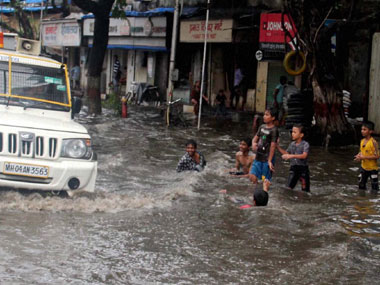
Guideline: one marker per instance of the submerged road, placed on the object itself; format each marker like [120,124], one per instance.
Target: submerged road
[146,224]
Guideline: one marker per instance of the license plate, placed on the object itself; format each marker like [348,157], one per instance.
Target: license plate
[26,170]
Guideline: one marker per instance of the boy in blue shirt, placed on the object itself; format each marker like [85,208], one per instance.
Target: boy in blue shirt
[297,153]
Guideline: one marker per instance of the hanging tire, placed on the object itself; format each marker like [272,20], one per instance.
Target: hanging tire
[297,96]
[287,65]
[296,106]
[295,110]
[295,116]
[296,101]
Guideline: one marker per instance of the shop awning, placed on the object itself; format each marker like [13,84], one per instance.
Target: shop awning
[34,1]
[131,47]
[8,10]
[151,13]
[5,9]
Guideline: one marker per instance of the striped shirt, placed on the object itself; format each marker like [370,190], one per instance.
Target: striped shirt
[187,163]
[116,66]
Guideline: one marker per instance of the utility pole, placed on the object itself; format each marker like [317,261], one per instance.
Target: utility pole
[173,50]
[203,64]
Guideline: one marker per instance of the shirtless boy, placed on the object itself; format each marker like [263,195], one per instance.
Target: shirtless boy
[244,159]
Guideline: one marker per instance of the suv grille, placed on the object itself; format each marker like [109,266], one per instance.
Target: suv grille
[12,143]
[26,144]
[52,147]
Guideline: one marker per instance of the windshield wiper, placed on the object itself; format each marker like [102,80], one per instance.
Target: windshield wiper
[45,106]
[34,105]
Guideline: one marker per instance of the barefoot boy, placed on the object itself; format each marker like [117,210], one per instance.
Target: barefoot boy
[368,155]
[264,143]
[297,153]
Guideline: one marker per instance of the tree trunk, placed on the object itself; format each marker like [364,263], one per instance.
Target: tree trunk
[101,10]
[95,66]
[93,93]
[328,111]
[314,38]
[327,90]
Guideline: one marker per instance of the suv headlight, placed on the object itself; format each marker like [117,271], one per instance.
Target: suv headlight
[76,148]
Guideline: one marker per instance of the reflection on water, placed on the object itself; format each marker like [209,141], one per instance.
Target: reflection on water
[363,217]
[146,224]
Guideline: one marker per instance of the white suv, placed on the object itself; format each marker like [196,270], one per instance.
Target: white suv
[41,147]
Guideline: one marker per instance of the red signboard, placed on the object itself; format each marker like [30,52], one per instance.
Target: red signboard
[271,29]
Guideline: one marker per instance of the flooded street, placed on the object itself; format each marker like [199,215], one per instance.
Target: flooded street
[146,224]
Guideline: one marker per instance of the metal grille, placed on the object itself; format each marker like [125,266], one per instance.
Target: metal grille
[39,82]
[39,146]
[26,148]
[12,143]
[52,147]
[4,86]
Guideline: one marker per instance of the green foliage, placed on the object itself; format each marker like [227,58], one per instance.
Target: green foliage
[113,102]
[118,9]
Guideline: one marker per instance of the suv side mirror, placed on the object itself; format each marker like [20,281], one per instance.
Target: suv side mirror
[76,106]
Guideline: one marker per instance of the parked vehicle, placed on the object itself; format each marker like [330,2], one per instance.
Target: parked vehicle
[172,113]
[141,93]
[132,93]
[150,96]
[41,147]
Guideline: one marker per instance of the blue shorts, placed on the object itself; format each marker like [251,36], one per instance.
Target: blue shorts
[260,169]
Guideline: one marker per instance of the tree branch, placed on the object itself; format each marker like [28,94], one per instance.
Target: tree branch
[101,8]
[10,29]
[321,25]
[86,5]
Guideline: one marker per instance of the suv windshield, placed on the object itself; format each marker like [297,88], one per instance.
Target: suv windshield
[34,83]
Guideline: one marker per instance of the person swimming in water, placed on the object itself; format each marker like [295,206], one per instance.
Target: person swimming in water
[243,159]
[192,159]
[260,198]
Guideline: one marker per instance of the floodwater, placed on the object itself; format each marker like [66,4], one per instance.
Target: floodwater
[146,224]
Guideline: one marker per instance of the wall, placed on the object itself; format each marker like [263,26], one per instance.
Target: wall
[357,72]
[130,68]
[161,74]
[135,69]
[374,83]
[196,68]
[141,67]
[217,69]
[261,86]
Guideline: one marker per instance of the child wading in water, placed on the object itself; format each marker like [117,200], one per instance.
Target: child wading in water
[297,152]
[368,155]
[192,159]
[264,144]
[244,159]
[260,198]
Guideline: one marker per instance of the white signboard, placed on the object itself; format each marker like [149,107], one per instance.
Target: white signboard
[219,31]
[130,26]
[61,34]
